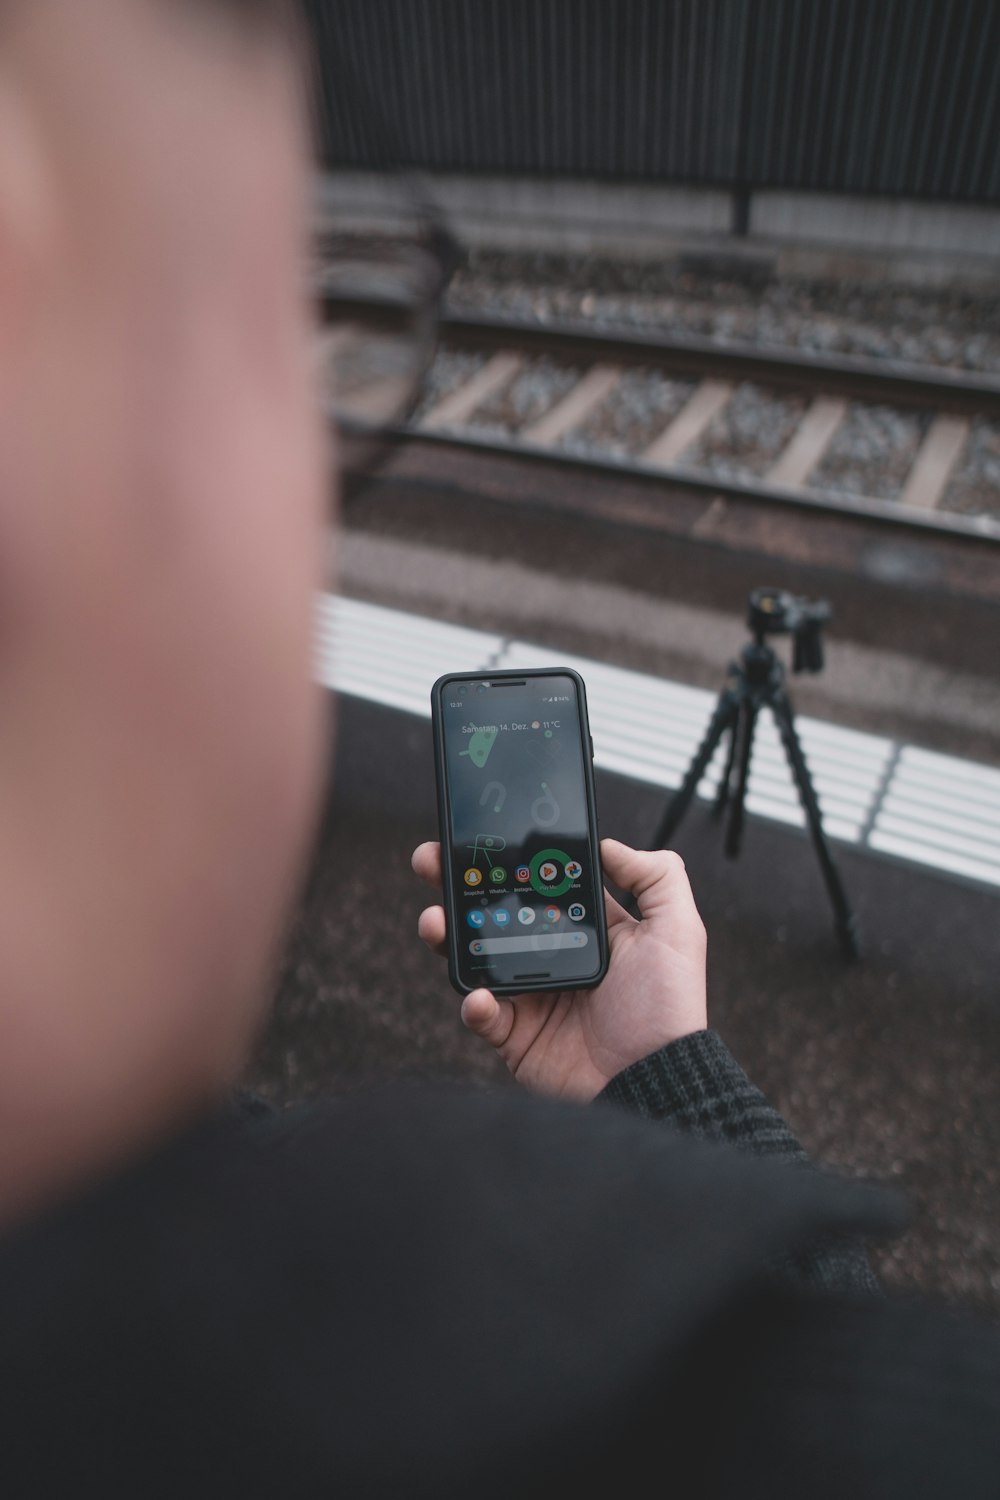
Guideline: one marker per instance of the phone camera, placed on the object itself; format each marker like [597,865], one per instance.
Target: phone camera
[462,692]
[480,687]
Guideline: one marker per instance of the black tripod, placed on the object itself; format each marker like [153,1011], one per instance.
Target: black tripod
[755,681]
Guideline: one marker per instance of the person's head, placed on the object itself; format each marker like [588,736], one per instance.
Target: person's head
[163,478]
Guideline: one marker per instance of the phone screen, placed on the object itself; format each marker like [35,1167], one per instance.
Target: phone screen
[526,895]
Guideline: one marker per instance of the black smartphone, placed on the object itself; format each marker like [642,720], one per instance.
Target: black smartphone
[517,810]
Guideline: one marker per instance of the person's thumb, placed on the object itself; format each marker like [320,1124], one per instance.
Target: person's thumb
[488,1017]
[657,881]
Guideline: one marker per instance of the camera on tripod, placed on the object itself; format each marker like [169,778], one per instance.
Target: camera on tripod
[776,612]
[755,680]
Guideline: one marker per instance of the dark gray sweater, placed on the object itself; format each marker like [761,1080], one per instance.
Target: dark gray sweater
[430,1292]
[697,1086]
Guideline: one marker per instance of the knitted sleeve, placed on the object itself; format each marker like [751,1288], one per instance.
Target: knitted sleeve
[697,1086]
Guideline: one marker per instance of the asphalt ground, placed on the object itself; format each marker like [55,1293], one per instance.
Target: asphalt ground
[886,1068]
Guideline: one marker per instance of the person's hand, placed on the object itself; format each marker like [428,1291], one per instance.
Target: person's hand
[573,1042]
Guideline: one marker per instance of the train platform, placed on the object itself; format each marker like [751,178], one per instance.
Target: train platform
[882,795]
[885,1066]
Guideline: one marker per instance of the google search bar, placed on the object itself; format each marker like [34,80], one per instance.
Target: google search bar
[539,943]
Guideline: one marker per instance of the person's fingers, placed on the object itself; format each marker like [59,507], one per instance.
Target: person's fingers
[488,1017]
[432,929]
[615,912]
[656,878]
[426,862]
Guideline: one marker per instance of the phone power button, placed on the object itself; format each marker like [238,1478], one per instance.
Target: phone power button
[591,737]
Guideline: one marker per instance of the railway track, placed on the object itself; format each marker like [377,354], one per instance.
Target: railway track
[761,427]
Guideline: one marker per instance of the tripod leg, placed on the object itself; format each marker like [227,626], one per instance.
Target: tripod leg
[846,923]
[721,720]
[726,783]
[741,750]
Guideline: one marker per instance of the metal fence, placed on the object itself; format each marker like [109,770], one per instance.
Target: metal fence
[894,97]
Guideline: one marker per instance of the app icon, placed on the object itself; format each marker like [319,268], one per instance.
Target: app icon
[476,918]
[476,947]
[522,873]
[552,914]
[576,912]
[574,869]
[546,872]
[498,875]
[526,915]
[501,916]
[473,876]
